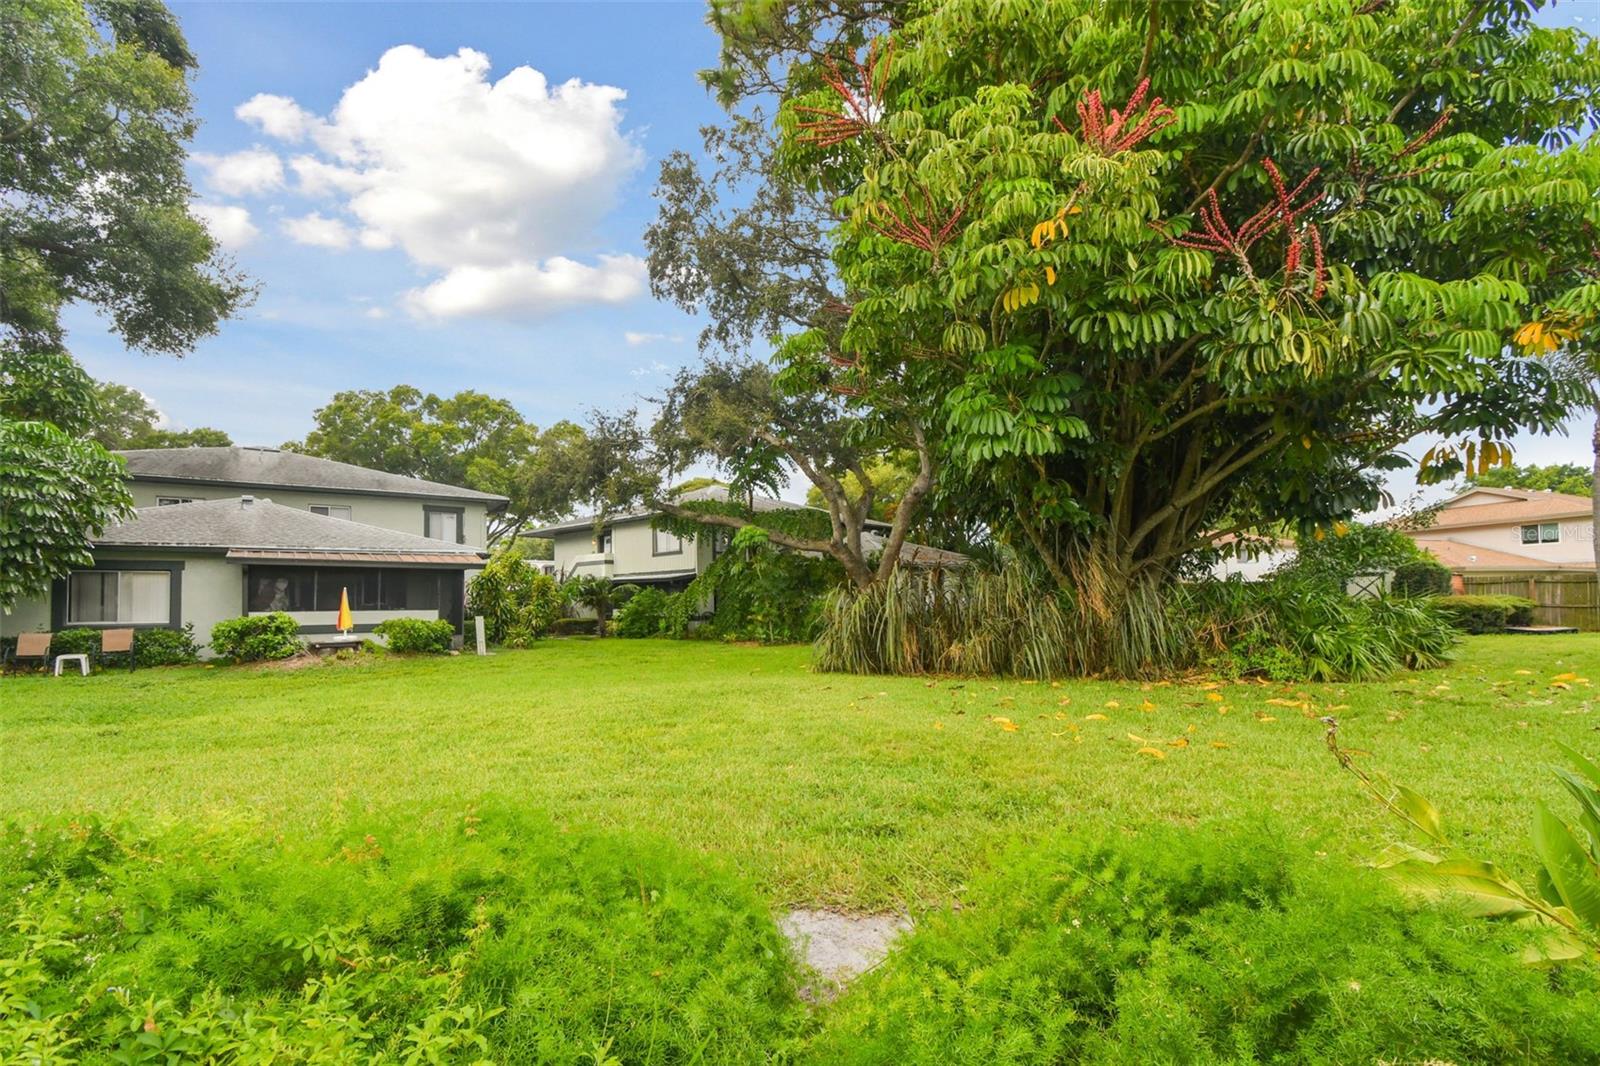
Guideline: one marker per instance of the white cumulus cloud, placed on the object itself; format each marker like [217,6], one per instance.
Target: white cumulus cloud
[318,232]
[276,116]
[524,289]
[228,224]
[496,187]
[245,173]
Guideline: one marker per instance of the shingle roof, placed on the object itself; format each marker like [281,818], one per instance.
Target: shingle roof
[1521,505]
[270,468]
[244,523]
[1458,556]
[758,504]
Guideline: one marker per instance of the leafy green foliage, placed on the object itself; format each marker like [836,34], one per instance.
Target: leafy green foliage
[125,419]
[757,591]
[1298,627]
[57,493]
[1486,614]
[1556,477]
[1008,624]
[1347,550]
[426,635]
[469,439]
[643,614]
[257,637]
[499,939]
[1564,910]
[1421,577]
[151,647]
[94,202]
[1226,308]
[518,603]
[1182,946]
[598,594]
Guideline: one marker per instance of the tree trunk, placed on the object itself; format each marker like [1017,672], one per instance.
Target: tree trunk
[1125,629]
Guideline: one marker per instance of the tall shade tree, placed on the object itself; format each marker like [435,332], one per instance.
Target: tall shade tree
[470,439]
[1166,270]
[124,418]
[95,113]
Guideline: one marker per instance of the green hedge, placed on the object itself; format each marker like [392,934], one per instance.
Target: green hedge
[572,627]
[1486,614]
[1196,947]
[491,938]
[431,636]
[151,647]
[1423,577]
[257,637]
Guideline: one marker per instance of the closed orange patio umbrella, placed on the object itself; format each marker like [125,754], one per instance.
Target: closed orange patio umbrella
[345,623]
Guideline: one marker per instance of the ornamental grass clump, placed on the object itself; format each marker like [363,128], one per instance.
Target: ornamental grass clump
[494,937]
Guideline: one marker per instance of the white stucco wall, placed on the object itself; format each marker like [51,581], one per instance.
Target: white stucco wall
[389,512]
[632,552]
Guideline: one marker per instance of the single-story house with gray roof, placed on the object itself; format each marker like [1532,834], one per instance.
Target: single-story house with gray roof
[198,550]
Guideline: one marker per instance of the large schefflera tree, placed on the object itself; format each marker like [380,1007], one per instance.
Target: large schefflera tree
[1167,270]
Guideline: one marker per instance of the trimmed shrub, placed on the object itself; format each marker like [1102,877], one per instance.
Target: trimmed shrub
[572,627]
[643,614]
[1177,946]
[151,647]
[257,637]
[497,938]
[1486,614]
[165,647]
[431,636]
[518,604]
[1423,577]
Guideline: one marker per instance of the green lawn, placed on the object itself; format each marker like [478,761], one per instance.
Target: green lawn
[853,791]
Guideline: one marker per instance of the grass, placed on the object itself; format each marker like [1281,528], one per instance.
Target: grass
[860,792]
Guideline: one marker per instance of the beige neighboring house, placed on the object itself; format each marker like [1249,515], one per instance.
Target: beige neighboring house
[1486,529]
[632,551]
[224,532]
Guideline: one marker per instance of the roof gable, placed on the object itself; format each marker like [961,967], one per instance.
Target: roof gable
[245,522]
[269,468]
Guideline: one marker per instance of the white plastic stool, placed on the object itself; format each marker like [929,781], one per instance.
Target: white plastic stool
[81,660]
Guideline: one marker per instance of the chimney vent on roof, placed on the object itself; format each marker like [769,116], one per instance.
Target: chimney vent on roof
[246,501]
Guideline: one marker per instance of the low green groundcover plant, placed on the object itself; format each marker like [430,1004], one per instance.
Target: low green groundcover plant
[501,939]
[1486,614]
[427,635]
[257,637]
[1176,946]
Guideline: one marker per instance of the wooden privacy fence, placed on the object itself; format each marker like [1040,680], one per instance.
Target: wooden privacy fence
[1564,599]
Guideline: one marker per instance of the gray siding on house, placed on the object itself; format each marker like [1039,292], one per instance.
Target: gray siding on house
[633,553]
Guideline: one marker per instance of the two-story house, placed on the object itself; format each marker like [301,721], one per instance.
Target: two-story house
[631,550]
[223,532]
[1512,530]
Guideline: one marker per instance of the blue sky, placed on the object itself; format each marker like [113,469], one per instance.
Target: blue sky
[444,218]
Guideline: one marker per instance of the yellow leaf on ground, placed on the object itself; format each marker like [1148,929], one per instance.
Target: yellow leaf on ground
[1220,744]
[1094,718]
[1569,676]
[1265,718]
[1147,706]
[1154,753]
[1214,697]
[1005,723]
[1181,742]
[1524,672]
[1112,703]
[1137,739]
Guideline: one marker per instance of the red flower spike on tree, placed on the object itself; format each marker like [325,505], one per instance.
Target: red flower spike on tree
[1215,235]
[862,106]
[915,230]
[1116,135]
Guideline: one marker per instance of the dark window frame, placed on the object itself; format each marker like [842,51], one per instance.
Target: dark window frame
[429,509]
[1530,529]
[349,516]
[60,592]
[174,501]
[655,542]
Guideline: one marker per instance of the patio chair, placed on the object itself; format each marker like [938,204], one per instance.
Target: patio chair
[31,647]
[116,642]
